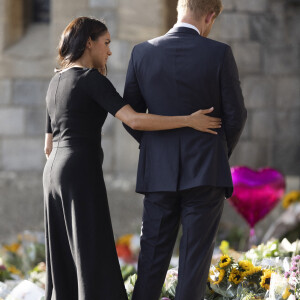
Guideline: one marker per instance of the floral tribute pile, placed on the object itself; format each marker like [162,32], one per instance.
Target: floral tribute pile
[269,271]
[264,272]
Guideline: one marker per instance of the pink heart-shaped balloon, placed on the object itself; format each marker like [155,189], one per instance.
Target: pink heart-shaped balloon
[256,192]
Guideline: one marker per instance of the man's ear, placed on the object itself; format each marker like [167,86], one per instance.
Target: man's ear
[210,17]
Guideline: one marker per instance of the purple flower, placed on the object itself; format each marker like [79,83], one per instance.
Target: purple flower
[293,274]
[293,269]
[2,268]
[287,274]
[295,264]
[296,258]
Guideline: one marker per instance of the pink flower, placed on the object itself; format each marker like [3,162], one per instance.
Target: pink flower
[296,258]
[287,274]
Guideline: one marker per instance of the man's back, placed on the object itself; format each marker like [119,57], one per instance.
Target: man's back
[177,74]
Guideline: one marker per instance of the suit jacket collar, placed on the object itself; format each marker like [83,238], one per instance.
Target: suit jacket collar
[185,30]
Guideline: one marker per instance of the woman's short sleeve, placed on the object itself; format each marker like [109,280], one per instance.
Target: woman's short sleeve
[101,90]
[48,122]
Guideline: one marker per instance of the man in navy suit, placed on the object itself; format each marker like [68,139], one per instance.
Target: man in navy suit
[184,174]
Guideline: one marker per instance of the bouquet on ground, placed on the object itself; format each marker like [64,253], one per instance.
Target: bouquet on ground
[168,290]
[20,257]
[241,280]
[38,275]
[272,249]
[293,277]
[128,248]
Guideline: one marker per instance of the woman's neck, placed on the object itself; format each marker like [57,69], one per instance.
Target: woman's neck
[83,62]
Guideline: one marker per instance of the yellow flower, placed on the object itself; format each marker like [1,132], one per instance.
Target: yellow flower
[266,279]
[14,270]
[12,248]
[252,271]
[224,247]
[225,260]
[245,265]
[235,276]
[286,293]
[290,198]
[125,240]
[216,275]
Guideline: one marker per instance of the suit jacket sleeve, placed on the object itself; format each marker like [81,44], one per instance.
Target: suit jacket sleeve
[234,113]
[133,96]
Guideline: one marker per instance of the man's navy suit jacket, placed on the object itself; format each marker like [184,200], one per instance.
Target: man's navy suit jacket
[178,74]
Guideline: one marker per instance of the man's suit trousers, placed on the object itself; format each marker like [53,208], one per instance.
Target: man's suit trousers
[199,211]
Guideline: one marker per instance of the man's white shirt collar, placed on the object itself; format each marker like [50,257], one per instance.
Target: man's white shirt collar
[181,24]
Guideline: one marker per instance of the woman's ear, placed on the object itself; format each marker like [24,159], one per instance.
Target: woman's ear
[89,43]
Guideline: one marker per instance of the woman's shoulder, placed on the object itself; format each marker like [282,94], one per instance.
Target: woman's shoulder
[93,73]
[94,76]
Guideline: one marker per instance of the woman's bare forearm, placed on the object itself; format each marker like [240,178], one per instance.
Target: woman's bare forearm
[150,122]
[48,144]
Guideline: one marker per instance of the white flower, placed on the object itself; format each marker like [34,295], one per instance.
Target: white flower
[135,244]
[171,278]
[129,287]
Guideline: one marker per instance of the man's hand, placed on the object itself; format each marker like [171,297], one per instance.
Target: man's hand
[199,121]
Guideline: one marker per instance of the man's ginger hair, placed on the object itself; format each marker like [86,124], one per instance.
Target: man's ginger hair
[200,8]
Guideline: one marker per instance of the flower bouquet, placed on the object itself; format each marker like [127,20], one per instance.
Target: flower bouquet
[238,280]
[20,257]
[38,275]
[293,276]
[128,248]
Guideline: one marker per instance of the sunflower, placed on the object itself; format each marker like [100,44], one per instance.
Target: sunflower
[216,275]
[245,265]
[235,276]
[224,261]
[266,279]
[252,271]
[290,198]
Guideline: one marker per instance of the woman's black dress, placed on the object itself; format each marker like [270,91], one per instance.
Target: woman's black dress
[81,257]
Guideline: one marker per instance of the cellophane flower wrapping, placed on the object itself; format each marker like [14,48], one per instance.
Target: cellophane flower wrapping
[279,287]
[220,284]
[129,285]
[170,284]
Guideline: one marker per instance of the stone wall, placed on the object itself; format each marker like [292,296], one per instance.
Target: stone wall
[265,41]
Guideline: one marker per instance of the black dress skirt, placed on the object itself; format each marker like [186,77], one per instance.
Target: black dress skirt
[81,257]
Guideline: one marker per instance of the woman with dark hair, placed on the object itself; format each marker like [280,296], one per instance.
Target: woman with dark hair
[80,251]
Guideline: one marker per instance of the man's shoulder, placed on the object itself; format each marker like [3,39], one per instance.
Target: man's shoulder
[164,38]
[150,43]
[214,43]
[156,45]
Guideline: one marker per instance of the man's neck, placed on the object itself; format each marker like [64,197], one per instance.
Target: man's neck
[189,20]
